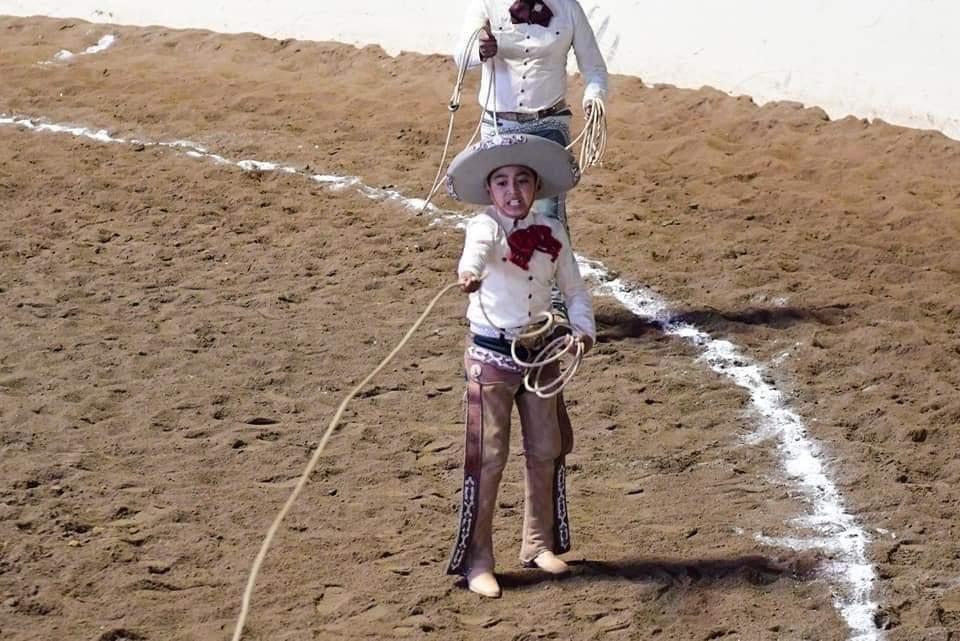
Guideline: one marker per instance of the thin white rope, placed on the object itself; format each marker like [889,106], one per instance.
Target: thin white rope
[593,137]
[258,561]
[553,351]
[454,105]
[493,83]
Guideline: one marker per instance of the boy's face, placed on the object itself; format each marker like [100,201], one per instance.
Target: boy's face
[513,189]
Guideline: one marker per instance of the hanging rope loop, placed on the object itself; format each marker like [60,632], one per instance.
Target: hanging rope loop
[453,106]
[593,138]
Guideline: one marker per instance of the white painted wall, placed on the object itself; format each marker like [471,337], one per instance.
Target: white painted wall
[892,59]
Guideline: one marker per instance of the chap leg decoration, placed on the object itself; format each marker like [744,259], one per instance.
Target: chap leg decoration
[561,522]
[472,464]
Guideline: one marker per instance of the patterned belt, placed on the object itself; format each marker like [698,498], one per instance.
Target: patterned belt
[559,109]
[501,346]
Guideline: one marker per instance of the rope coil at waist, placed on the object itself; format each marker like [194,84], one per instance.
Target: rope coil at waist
[536,347]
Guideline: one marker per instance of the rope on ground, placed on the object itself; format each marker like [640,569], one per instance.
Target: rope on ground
[268,540]
[593,138]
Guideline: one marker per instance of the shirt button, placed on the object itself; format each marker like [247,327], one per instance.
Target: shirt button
[526,51]
[529,295]
[529,277]
[504,259]
[523,91]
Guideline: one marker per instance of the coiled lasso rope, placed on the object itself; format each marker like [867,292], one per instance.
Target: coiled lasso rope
[556,349]
[593,138]
[268,540]
[553,351]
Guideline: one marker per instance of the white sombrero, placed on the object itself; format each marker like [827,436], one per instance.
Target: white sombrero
[555,166]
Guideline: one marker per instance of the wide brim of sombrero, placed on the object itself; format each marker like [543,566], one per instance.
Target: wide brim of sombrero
[555,166]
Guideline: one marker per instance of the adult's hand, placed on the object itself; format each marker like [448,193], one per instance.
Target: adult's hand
[488,44]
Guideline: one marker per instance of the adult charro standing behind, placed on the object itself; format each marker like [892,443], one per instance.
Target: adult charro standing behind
[530,41]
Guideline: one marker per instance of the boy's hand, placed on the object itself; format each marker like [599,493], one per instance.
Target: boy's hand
[469,283]
[586,341]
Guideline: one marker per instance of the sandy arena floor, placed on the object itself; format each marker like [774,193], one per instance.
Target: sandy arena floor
[178,333]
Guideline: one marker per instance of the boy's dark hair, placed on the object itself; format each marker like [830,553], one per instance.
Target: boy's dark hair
[530,169]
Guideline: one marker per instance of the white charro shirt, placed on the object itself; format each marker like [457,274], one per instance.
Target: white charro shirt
[531,61]
[510,297]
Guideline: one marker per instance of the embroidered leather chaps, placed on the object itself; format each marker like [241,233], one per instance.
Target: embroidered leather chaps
[547,439]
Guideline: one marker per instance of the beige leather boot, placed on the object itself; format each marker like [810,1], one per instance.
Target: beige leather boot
[551,563]
[484,583]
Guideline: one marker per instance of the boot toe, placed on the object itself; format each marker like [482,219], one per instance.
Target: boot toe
[484,584]
[551,563]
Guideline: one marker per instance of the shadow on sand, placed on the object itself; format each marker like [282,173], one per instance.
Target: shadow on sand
[620,324]
[775,317]
[752,569]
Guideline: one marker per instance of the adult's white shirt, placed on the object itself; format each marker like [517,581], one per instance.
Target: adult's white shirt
[510,297]
[531,61]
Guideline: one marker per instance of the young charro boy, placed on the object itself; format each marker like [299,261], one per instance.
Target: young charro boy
[512,256]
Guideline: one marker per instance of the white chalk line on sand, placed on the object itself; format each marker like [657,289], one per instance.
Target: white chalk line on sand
[840,535]
[103,44]
[838,532]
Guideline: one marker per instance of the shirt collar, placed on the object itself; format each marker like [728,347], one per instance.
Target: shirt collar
[509,224]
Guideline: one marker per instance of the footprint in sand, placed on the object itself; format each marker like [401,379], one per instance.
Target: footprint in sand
[375,613]
[332,599]
[413,625]
[435,453]
[613,623]
[603,618]
[280,480]
[485,622]
[405,631]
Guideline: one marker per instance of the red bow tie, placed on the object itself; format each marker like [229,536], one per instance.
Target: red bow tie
[523,242]
[530,12]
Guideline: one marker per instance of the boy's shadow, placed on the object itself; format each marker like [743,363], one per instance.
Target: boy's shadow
[753,569]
